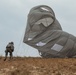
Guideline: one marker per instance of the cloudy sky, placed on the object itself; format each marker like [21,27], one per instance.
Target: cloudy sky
[13,19]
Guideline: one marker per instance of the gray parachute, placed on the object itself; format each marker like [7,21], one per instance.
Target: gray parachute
[44,33]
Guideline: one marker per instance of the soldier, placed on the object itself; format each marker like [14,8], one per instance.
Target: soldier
[9,49]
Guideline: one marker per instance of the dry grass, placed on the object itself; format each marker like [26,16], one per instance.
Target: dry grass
[38,66]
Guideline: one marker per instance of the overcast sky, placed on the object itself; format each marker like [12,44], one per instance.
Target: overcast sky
[13,19]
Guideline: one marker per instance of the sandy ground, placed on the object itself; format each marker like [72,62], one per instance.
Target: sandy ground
[38,66]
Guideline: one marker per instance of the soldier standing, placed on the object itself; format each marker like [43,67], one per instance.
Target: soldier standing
[9,49]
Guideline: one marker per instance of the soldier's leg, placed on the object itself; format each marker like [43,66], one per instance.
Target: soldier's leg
[10,55]
[6,54]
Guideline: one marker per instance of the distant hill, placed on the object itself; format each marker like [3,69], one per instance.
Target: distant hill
[37,66]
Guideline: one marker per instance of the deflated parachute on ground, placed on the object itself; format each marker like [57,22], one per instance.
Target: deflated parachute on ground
[44,33]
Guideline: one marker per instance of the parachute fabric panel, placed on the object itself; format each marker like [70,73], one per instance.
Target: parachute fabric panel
[44,33]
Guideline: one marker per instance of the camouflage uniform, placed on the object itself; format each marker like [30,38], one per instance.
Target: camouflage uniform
[9,49]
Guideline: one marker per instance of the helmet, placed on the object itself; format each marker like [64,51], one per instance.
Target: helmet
[12,42]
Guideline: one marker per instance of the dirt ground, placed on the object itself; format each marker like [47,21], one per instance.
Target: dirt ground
[38,66]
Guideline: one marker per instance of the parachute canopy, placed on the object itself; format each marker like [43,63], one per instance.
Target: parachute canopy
[44,33]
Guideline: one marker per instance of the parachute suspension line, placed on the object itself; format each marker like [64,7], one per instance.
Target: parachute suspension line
[19,45]
[25,50]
